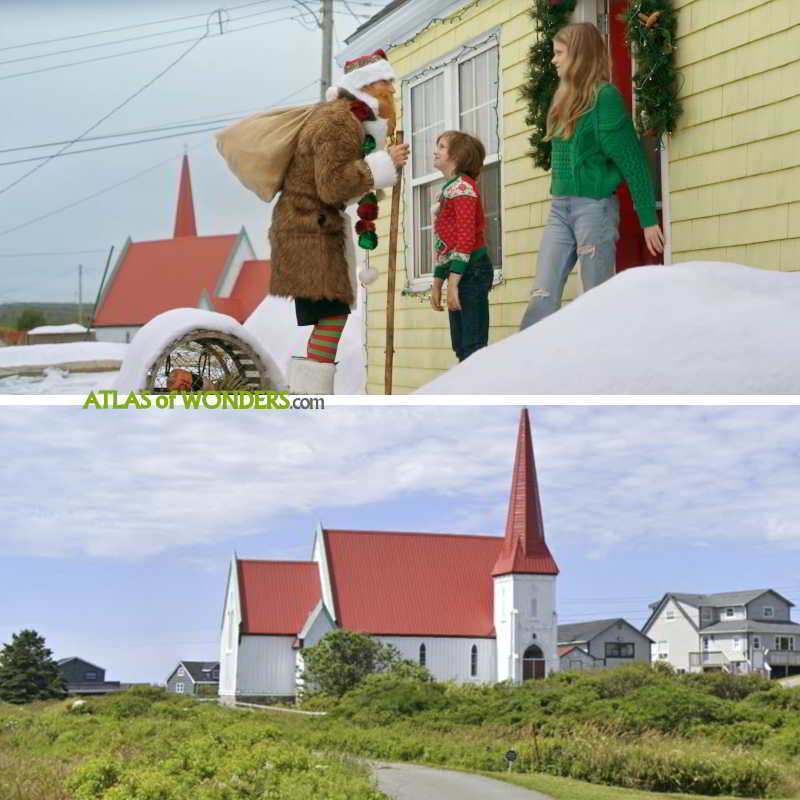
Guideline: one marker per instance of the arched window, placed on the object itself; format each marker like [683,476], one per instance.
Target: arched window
[473,661]
[422,655]
[533,664]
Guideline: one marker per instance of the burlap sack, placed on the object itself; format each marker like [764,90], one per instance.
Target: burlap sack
[258,149]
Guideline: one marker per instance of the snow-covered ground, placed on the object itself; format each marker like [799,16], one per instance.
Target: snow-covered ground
[695,328]
[702,327]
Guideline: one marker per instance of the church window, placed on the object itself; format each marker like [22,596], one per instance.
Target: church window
[534,607]
[422,655]
[473,661]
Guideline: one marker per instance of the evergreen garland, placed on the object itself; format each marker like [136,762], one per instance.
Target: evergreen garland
[549,16]
[651,28]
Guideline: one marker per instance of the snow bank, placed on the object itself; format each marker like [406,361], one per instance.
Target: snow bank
[54,354]
[73,327]
[153,337]
[274,323]
[702,327]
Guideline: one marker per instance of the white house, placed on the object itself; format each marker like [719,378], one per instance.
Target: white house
[470,608]
[748,631]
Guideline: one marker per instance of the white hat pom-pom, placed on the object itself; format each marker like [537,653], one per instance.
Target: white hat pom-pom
[332,93]
[367,276]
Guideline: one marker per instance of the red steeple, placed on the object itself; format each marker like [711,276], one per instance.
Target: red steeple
[184,217]
[524,549]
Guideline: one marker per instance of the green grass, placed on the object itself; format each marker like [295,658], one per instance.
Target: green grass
[569,789]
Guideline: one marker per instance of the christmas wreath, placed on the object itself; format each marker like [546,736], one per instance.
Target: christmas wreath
[651,28]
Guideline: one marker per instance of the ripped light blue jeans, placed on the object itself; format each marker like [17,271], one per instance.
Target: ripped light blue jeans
[578,229]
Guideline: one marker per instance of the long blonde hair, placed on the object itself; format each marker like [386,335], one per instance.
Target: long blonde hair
[588,65]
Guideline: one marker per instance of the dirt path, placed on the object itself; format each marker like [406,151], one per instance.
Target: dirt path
[412,782]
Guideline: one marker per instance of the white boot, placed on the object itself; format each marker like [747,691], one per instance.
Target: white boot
[307,376]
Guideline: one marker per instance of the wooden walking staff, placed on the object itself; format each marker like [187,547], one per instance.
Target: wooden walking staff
[394,224]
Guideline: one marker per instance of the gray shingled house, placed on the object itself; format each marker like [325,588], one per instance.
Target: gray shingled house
[83,677]
[199,678]
[601,643]
[741,632]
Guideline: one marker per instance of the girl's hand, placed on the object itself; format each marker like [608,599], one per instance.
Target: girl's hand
[654,239]
[453,303]
[436,295]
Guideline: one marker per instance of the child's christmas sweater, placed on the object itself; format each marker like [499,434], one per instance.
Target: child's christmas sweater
[458,227]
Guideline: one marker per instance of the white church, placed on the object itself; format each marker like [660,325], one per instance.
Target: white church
[470,608]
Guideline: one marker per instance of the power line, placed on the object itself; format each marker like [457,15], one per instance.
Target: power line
[104,118]
[138,38]
[131,27]
[125,180]
[143,49]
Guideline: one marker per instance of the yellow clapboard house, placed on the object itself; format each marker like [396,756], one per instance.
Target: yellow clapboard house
[727,182]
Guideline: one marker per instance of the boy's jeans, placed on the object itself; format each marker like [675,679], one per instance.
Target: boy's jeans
[469,328]
[578,229]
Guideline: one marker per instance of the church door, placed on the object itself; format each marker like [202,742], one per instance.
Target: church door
[533,664]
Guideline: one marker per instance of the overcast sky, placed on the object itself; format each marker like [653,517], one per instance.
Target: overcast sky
[115,538]
[241,72]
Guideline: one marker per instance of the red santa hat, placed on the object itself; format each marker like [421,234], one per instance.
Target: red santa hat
[360,72]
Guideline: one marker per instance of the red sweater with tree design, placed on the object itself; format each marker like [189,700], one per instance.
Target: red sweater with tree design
[458,226]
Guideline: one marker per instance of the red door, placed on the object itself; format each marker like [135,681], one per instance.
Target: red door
[631,249]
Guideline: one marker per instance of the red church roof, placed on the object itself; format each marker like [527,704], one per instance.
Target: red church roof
[156,276]
[277,596]
[524,548]
[409,584]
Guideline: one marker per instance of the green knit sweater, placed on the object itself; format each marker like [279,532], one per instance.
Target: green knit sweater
[603,150]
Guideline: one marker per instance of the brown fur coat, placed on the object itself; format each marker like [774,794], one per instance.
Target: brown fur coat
[307,235]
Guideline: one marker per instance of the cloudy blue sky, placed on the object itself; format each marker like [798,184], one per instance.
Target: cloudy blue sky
[115,538]
[269,53]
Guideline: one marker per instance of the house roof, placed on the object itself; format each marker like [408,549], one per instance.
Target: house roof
[524,548]
[277,596]
[586,631]
[751,626]
[723,598]
[412,584]
[62,661]
[200,671]
[251,287]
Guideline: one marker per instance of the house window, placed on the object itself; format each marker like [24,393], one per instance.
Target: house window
[663,649]
[670,613]
[215,675]
[181,672]
[90,676]
[728,612]
[769,611]
[462,94]
[705,614]
[756,643]
[422,655]
[737,643]
[784,642]
[619,649]
[179,688]
[473,661]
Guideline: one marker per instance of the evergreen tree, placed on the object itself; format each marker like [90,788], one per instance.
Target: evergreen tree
[27,670]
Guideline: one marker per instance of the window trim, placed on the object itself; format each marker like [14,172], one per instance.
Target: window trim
[442,65]
[771,610]
[619,645]
[423,655]
[179,687]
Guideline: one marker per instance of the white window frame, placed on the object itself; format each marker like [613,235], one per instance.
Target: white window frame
[756,642]
[448,66]
[179,688]
[669,614]
[181,672]
[768,611]
[729,612]
[662,649]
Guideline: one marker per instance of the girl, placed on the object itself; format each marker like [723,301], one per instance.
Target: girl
[595,146]
[460,255]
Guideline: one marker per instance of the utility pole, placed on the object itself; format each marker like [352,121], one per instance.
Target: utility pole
[80,292]
[327,47]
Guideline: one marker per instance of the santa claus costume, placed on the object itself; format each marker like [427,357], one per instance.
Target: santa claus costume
[338,159]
